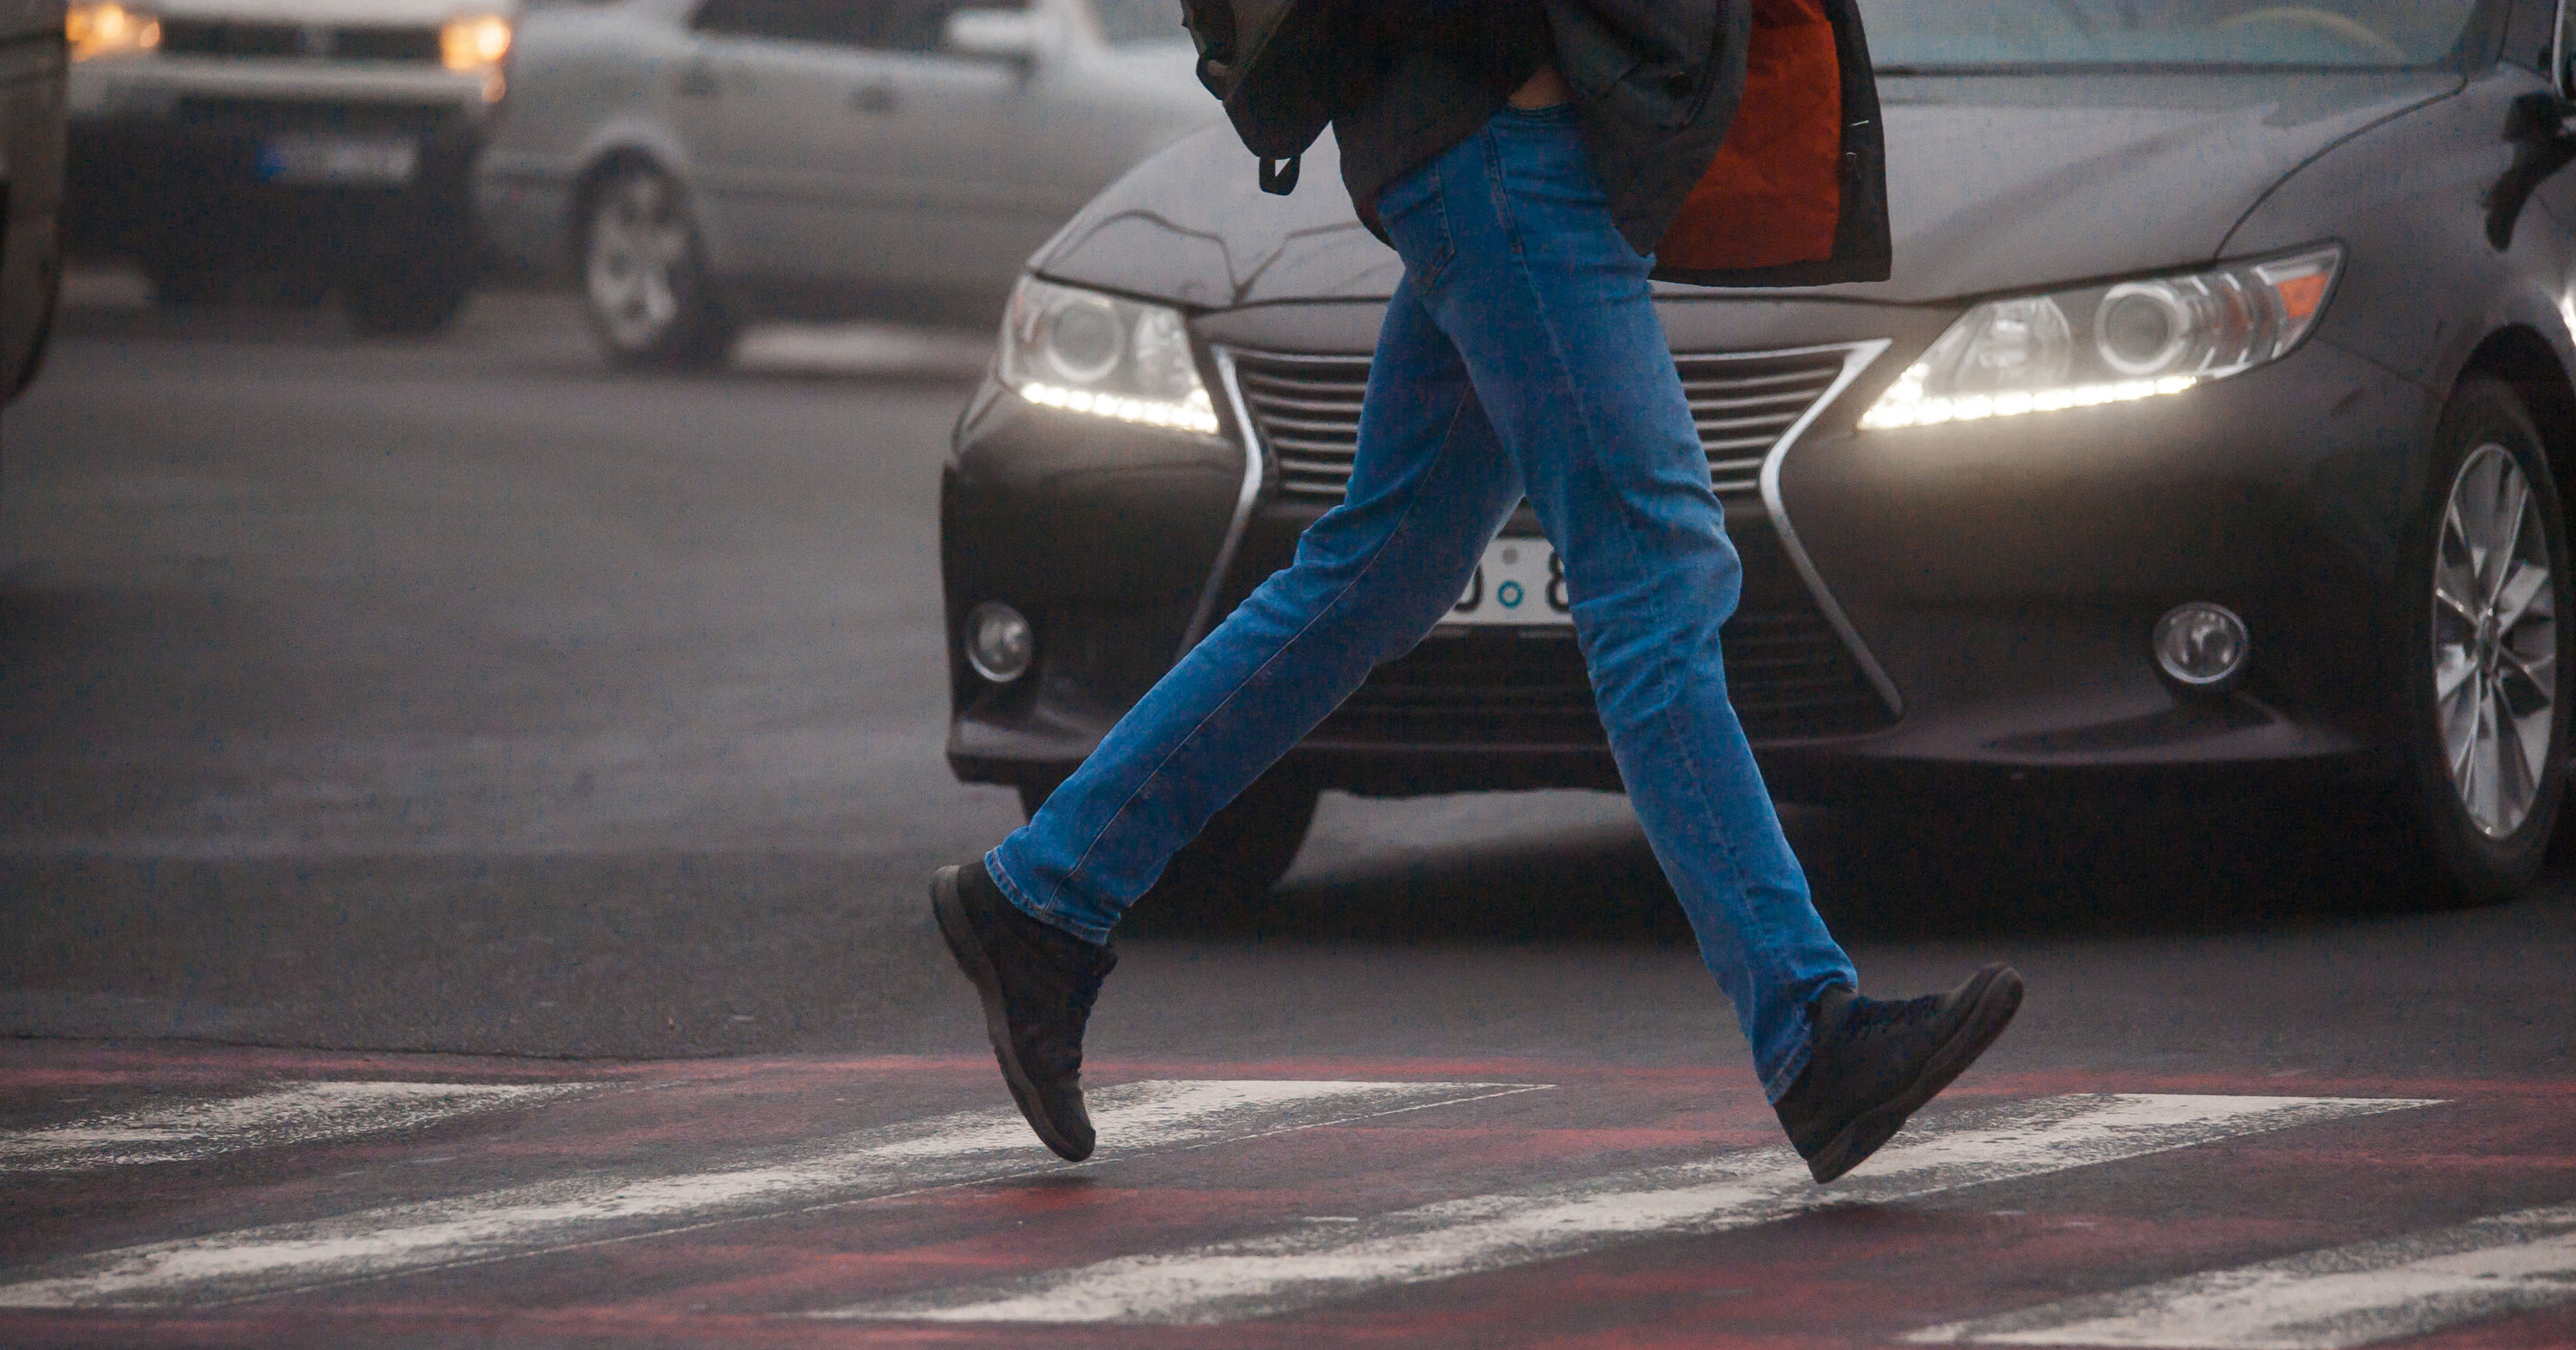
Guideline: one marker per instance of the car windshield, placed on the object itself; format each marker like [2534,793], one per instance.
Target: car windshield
[1127,22]
[1989,34]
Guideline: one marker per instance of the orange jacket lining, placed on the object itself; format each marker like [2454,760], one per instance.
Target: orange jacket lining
[1773,195]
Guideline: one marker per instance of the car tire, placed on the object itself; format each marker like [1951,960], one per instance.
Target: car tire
[1243,852]
[2487,657]
[300,289]
[183,284]
[411,295]
[41,341]
[644,282]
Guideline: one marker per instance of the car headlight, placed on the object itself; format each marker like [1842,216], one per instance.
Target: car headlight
[1086,352]
[96,30]
[2111,343]
[474,42]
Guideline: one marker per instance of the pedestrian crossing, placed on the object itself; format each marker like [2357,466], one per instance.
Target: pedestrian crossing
[287,1114]
[2328,1300]
[914,1185]
[559,1214]
[1266,1276]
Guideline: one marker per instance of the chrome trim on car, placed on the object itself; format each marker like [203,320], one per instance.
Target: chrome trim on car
[1255,460]
[1856,358]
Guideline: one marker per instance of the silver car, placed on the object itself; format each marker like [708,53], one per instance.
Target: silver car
[700,163]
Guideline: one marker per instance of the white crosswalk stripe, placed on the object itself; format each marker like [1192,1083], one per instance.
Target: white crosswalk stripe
[1133,1118]
[1264,1276]
[2326,1300]
[296,1113]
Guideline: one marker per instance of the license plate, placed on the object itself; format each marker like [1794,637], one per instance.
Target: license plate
[387,161]
[1520,583]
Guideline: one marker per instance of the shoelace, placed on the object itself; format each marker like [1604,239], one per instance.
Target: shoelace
[1878,1017]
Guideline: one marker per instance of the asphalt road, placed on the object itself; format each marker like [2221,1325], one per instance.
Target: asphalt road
[462,820]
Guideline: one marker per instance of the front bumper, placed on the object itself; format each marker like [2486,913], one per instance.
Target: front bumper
[178,155]
[1988,590]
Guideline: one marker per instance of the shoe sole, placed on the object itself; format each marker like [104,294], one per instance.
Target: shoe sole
[948,905]
[1991,1009]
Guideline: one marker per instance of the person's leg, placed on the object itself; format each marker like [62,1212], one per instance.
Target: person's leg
[1431,485]
[1551,311]
[1554,351]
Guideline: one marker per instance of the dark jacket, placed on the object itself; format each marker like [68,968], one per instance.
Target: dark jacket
[1425,76]
[1739,140]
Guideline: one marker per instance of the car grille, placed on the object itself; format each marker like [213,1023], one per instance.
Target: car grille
[1307,409]
[1790,675]
[291,41]
[1473,689]
[271,115]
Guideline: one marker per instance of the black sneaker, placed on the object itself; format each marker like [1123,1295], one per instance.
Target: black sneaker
[1878,1061]
[1038,983]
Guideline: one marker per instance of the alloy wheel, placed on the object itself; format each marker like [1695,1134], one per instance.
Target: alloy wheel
[2495,641]
[639,242]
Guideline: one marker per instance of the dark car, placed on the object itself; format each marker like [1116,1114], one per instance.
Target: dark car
[33,57]
[2206,433]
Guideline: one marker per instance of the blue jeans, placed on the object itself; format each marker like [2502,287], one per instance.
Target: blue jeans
[1521,355]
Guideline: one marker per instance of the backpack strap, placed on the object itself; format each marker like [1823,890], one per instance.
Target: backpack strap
[1279,176]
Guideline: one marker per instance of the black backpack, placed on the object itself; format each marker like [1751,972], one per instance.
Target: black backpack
[1279,67]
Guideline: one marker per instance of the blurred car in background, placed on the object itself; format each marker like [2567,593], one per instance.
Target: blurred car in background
[311,143]
[700,163]
[2212,431]
[32,60]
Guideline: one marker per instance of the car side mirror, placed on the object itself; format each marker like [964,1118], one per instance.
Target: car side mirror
[1009,35]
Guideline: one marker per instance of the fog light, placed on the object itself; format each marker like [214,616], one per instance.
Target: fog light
[2201,646]
[999,642]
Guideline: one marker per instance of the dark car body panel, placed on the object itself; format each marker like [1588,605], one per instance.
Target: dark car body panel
[2002,575]
[33,66]
[1994,183]
[1105,536]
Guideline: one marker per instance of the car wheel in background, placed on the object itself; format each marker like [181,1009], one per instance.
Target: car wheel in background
[1241,854]
[643,280]
[2487,606]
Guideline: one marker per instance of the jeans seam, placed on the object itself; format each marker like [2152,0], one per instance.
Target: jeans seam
[1795,1066]
[1448,442]
[1447,250]
[1018,896]
[1701,802]
[1502,190]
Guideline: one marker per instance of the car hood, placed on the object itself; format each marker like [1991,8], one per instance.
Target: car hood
[1165,65]
[1994,183]
[332,11]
